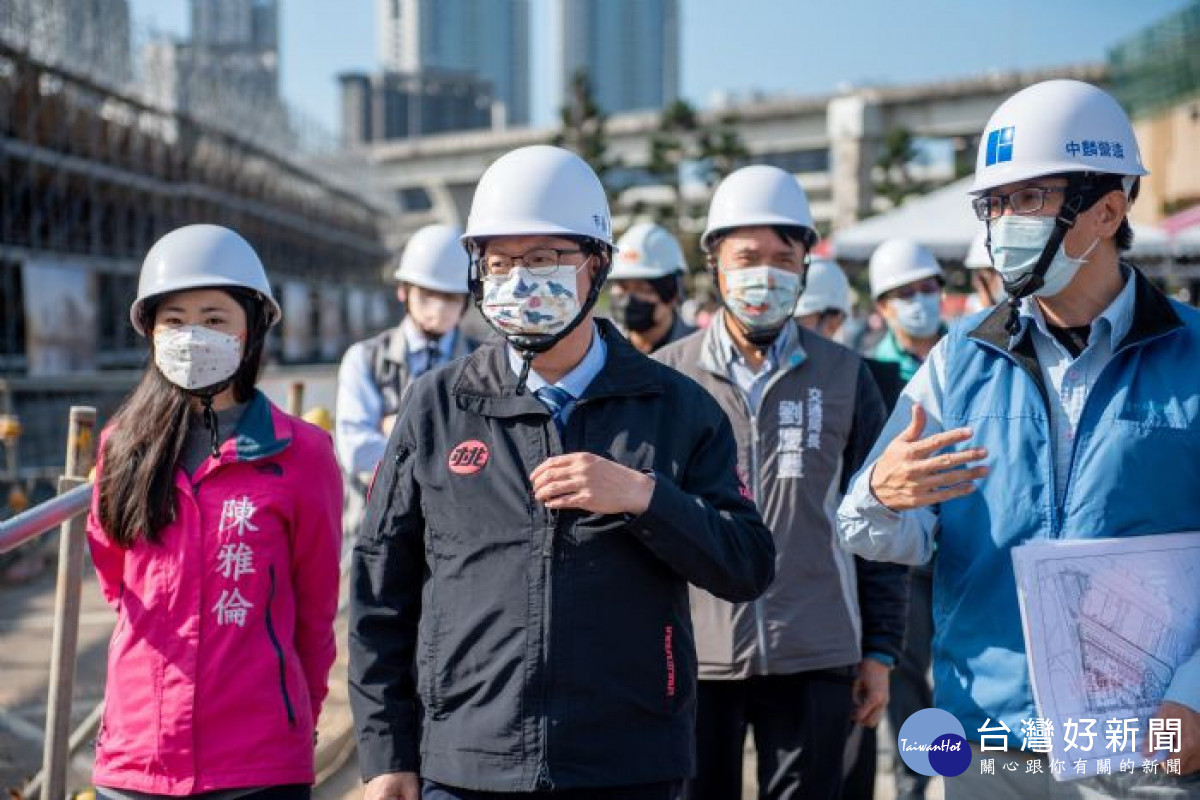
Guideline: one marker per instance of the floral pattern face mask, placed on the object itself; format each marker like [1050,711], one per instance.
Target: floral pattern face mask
[521,303]
[762,298]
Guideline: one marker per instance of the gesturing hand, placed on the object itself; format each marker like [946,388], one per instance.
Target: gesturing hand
[910,474]
[591,483]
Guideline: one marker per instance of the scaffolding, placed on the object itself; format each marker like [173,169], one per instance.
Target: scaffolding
[1159,66]
[90,169]
[92,173]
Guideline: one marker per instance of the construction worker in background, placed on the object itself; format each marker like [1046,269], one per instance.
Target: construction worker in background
[375,374]
[986,283]
[519,621]
[825,306]
[647,287]
[1071,412]
[906,284]
[811,656]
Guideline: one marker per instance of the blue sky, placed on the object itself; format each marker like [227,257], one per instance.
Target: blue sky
[791,46]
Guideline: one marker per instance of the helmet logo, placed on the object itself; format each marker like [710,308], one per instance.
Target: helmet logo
[1090,148]
[601,222]
[1000,145]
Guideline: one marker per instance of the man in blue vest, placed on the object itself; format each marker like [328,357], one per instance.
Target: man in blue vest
[1071,411]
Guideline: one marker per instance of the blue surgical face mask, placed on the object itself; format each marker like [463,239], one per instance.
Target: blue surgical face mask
[919,315]
[1017,244]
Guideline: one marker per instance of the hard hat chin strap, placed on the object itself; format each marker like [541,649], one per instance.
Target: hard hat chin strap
[1081,193]
[531,345]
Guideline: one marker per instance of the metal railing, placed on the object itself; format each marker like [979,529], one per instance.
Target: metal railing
[67,513]
[44,518]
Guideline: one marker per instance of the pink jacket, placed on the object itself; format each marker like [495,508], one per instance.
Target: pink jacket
[218,664]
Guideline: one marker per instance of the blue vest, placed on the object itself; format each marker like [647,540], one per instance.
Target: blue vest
[1135,471]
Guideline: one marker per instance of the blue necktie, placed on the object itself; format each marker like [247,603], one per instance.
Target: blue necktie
[556,399]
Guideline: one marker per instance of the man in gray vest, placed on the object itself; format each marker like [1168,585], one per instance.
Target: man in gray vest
[376,373]
[812,655]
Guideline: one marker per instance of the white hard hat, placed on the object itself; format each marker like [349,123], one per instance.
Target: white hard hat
[759,195]
[647,251]
[201,257]
[897,262]
[1055,127]
[434,259]
[977,253]
[825,287]
[539,190]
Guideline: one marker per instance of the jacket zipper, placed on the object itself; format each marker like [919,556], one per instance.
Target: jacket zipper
[287,701]
[543,781]
[760,606]
[760,611]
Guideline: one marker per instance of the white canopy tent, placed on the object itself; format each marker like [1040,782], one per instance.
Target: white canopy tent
[1187,242]
[942,220]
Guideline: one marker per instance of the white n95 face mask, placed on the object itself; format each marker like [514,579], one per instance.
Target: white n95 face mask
[195,357]
[1017,244]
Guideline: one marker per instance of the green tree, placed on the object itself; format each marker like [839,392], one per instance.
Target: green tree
[721,149]
[582,128]
[896,156]
[684,137]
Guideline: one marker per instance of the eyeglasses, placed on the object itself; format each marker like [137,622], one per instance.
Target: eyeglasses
[542,261]
[1025,201]
[923,286]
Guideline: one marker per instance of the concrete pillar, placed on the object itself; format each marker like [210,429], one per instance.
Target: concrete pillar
[855,126]
[357,99]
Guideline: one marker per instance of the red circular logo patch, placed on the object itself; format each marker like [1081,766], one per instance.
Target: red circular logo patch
[468,457]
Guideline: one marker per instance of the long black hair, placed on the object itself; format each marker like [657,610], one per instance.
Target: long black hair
[147,434]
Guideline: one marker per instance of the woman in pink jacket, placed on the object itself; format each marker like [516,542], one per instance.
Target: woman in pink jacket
[215,531]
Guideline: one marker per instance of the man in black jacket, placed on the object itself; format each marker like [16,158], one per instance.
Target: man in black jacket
[520,619]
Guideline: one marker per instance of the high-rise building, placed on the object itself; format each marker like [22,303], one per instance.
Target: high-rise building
[628,48]
[242,24]
[228,71]
[404,105]
[488,38]
[91,37]
[239,39]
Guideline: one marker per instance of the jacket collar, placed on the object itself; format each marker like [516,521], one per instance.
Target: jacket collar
[262,432]
[485,384]
[1153,316]
[717,353]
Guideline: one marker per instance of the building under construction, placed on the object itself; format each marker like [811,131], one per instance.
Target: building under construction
[92,172]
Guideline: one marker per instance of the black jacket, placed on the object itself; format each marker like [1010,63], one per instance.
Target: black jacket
[497,645]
